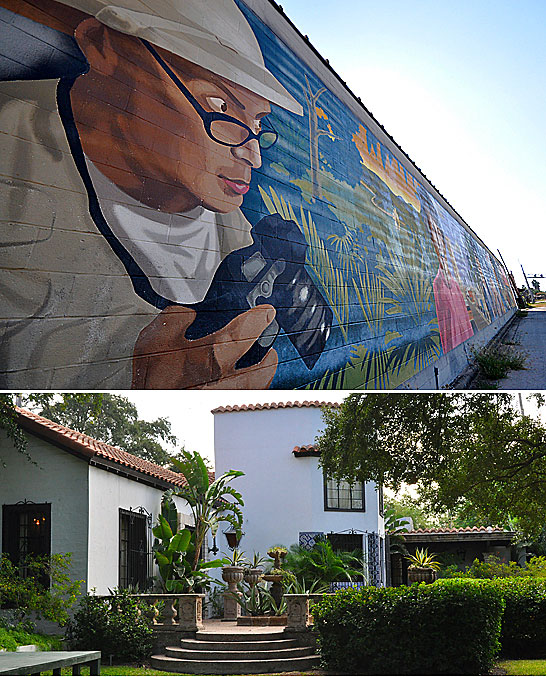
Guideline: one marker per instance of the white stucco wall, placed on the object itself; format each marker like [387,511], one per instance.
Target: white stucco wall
[283,495]
[108,493]
[57,478]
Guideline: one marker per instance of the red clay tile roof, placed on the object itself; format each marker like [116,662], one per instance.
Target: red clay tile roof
[90,447]
[306,450]
[460,530]
[273,405]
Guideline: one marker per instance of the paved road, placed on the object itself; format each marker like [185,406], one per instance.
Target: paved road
[530,333]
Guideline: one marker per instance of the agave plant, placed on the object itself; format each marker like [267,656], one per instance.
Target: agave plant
[422,559]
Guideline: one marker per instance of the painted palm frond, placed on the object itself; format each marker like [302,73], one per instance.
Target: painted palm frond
[373,364]
[348,250]
[421,352]
[372,301]
[331,380]
[331,279]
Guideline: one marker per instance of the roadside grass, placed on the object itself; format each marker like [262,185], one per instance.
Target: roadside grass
[523,667]
[495,362]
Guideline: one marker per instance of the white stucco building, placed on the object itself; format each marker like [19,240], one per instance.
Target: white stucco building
[287,499]
[85,497]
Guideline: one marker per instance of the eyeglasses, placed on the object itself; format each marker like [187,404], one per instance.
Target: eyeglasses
[224,129]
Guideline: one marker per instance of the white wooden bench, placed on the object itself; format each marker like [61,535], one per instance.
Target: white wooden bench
[36,662]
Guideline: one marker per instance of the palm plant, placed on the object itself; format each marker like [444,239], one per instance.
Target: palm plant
[322,564]
[209,501]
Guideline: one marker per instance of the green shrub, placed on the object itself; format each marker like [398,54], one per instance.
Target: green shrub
[119,626]
[26,593]
[494,568]
[11,638]
[451,627]
[523,633]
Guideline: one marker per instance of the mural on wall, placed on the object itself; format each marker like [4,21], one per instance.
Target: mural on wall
[189,206]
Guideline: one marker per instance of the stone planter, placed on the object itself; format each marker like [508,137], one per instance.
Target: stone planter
[421,575]
[252,576]
[262,620]
[232,576]
[276,587]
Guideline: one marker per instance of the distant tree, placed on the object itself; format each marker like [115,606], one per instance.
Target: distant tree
[461,450]
[426,517]
[535,284]
[110,418]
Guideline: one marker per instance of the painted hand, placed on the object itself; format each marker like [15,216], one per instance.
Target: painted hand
[164,359]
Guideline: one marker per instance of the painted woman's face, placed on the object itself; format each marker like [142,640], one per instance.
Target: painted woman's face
[146,136]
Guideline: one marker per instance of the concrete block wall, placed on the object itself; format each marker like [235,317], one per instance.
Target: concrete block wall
[170,196]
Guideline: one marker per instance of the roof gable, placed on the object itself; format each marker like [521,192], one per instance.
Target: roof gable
[92,449]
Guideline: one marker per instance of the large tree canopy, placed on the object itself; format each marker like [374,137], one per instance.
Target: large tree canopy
[458,448]
[106,417]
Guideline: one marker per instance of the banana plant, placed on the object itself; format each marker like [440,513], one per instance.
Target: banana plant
[211,502]
[173,552]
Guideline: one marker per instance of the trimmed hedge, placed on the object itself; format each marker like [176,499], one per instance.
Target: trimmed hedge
[523,633]
[449,628]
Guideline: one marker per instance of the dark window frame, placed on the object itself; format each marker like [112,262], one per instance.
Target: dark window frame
[138,573]
[332,509]
[13,529]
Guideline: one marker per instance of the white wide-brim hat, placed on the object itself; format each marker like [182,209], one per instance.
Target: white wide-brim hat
[213,34]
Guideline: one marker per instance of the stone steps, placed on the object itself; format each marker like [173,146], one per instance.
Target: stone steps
[256,645]
[236,654]
[240,654]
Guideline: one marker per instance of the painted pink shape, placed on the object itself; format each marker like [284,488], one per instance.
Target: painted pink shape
[453,318]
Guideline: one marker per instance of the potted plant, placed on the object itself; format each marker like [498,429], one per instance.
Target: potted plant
[422,567]
[253,572]
[233,570]
[277,553]
[232,573]
[276,574]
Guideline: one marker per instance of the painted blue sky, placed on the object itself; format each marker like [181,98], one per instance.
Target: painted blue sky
[460,86]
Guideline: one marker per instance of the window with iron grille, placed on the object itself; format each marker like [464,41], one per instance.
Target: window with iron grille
[135,557]
[344,497]
[345,542]
[26,533]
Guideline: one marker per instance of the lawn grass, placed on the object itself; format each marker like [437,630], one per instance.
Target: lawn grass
[523,667]
[135,670]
